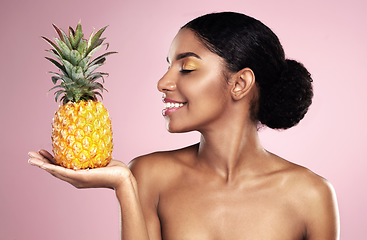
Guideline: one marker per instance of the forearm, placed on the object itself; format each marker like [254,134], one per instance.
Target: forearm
[133,225]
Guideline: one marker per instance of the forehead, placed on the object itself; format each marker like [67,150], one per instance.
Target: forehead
[187,41]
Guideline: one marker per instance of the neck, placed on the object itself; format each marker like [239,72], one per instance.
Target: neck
[230,149]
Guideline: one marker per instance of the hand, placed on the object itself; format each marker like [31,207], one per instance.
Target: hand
[111,176]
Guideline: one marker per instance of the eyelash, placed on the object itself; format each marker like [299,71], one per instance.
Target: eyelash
[184,71]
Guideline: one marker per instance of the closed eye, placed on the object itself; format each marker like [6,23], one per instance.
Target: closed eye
[185,71]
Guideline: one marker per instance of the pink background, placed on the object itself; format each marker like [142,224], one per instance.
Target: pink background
[329,37]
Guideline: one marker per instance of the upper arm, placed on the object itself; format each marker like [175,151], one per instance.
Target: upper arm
[148,190]
[322,217]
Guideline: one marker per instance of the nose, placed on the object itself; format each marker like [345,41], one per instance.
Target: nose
[166,83]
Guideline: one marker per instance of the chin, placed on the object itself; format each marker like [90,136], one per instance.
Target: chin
[177,129]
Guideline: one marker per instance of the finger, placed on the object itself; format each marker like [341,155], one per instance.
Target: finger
[39,162]
[67,175]
[47,155]
[84,178]
[78,178]
[35,155]
[43,161]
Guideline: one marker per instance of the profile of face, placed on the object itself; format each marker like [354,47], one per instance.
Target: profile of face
[195,90]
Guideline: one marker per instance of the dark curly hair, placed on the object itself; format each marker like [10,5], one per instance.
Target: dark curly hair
[285,86]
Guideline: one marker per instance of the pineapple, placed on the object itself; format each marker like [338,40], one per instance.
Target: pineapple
[81,128]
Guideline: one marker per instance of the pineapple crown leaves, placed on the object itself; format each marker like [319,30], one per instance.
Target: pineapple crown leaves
[73,55]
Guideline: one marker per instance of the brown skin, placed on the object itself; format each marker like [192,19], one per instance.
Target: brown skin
[225,187]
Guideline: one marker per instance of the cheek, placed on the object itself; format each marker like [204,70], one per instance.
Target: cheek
[208,96]
[211,87]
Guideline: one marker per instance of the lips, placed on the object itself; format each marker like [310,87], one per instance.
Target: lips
[171,106]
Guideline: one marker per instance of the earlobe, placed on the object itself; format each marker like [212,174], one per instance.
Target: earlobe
[244,80]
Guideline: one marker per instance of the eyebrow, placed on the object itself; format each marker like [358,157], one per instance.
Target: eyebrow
[184,55]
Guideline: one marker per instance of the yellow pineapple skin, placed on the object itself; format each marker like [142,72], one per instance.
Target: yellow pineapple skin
[82,135]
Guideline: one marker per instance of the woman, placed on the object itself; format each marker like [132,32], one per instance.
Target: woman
[227,76]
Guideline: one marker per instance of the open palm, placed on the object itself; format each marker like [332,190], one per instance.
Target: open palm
[110,176]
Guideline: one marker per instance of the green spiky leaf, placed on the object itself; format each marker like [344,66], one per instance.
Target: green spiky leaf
[77,79]
[100,61]
[97,43]
[100,57]
[56,74]
[78,33]
[57,64]
[75,57]
[58,32]
[54,53]
[63,36]
[66,79]
[58,93]
[82,47]
[63,77]
[97,85]
[55,79]
[72,38]
[95,76]
[64,49]
[77,73]
[82,82]
[93,39]
[57,86]
[69,97]
[99,94]
[71,32]
[91,53]
[91,69]
[84,63]
[53,45]
[68,67]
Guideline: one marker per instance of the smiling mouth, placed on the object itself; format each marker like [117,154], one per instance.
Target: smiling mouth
[171,106]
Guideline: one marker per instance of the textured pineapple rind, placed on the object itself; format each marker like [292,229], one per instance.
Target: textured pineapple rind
[82,135]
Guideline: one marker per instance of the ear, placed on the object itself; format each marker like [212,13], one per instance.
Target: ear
[242,81]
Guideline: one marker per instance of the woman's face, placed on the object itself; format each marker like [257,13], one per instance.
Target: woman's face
[195,88]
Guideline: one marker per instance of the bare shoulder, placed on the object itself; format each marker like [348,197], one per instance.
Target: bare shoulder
[302,182]
[309,185]
[315,201]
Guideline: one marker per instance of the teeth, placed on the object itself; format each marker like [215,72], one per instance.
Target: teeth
[173,105]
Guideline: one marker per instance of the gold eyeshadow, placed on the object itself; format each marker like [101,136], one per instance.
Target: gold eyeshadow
[190,65]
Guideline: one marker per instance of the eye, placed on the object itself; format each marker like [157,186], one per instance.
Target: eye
[185,71]
[188,67]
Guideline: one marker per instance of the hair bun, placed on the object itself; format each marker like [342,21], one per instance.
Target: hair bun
[284,104]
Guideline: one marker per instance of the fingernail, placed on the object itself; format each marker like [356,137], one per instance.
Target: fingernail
[31,154]
[31,162]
